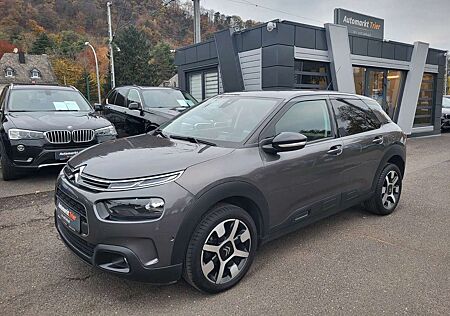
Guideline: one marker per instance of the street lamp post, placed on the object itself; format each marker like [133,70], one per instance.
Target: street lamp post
[96,71]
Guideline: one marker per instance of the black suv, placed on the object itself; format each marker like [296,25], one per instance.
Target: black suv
[137,110]
[197,197]
[45,125]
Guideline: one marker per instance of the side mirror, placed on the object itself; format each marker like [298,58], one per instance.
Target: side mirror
[98,106]
[285,141]
[134,106]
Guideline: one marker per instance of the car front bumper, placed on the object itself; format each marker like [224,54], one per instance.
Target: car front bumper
[135,250]
[37,154]
[445,122]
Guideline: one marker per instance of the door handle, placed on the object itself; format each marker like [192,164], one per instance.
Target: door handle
[378,140]
[335,150]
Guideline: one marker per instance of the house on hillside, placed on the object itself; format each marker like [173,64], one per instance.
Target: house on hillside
[25,68]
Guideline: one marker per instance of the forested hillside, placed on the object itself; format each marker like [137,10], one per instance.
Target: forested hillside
[59,28]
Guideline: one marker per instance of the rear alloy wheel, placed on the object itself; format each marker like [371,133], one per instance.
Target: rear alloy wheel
[387,193]
[221,249]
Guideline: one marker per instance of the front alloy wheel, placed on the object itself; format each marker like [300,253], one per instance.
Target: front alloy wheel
[225,251]
[221,249]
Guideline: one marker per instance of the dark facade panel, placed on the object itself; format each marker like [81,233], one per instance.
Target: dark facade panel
[433,56]
[283,34]
[212,50]
[278,55]
[401,52]
[191,54]
[203,52]
[251,39]
[360,45]
[180,57]
[374,48]
[321,40]
[388,50]
[305,37]
[278,77]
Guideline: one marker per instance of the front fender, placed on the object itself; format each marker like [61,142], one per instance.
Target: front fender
[206,199]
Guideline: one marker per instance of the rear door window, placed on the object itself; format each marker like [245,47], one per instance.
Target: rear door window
[121,99]
[353,117]
[378,111]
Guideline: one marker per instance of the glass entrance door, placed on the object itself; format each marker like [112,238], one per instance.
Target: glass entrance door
[383,85]
[375,85]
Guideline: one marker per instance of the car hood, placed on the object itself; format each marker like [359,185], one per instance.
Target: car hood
[47,121]
[143,156]
[168,112]
[445,110]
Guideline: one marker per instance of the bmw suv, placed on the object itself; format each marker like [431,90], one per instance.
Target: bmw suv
[45,125]
[197,198]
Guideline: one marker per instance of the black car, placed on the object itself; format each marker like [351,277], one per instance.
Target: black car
[137,110]
[197,198]
[45,125]
[445,118]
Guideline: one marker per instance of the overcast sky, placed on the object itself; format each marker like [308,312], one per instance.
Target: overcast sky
[405,20]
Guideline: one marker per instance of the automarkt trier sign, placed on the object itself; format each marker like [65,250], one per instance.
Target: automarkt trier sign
[359,24]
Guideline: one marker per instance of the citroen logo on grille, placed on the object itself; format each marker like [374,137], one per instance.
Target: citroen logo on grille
[78,172]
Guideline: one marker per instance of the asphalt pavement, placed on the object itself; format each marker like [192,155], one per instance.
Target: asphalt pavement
[352,263]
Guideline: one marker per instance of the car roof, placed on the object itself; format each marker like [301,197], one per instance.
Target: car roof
[40,87]
[289,94]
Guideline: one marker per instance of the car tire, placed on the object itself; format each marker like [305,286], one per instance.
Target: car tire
[387,193]
[221,249]
[9,172]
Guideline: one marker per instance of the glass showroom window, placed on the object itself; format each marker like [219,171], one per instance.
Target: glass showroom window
[424,110]
[203,84]
[311,75]
[383,85]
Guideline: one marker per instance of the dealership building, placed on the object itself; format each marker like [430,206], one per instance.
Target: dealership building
[350,55]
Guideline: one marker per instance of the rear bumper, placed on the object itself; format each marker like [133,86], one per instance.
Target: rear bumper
[102,256]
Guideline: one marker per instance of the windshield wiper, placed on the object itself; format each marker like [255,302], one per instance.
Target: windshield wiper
[159,131]
[193,140]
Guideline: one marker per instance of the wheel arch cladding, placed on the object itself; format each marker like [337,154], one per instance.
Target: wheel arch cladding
[395,155]
[239,193]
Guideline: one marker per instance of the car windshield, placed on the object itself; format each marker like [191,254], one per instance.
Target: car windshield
[167,98]
[446,102]
[47,100]
[222,119]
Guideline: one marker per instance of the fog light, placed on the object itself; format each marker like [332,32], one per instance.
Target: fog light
[20,148]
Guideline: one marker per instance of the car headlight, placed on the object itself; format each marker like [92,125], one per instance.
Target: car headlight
[106,131]
[137,209]
[15,134]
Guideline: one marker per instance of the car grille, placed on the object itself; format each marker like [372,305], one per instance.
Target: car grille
[70,202]
[65,137]
[80,244]
[82,135]
[58,137]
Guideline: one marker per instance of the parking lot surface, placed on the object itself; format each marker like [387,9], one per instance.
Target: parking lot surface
[351,263]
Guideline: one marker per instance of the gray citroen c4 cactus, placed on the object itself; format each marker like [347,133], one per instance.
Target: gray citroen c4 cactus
[195,198]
